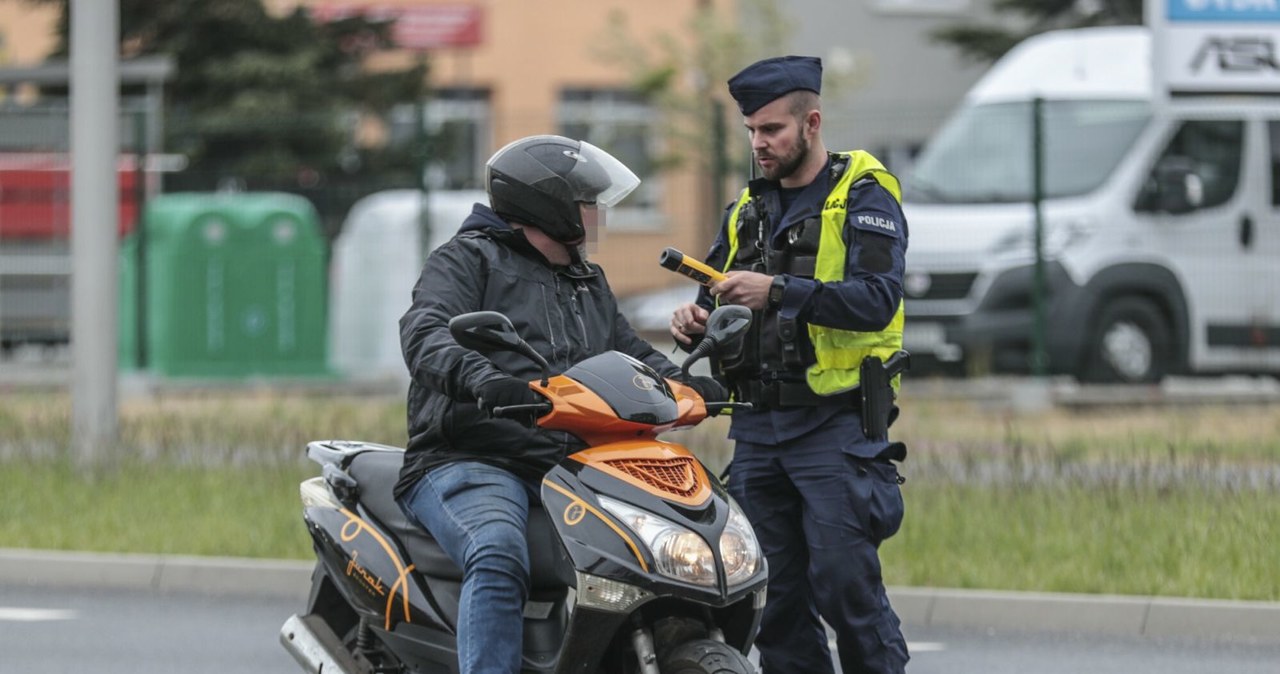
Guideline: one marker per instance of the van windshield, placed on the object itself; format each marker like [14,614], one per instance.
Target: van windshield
[983,154]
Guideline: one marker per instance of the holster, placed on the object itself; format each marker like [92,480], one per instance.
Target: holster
[877,399]
[878,396]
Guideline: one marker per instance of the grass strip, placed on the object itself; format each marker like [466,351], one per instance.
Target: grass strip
[1186,540]
[1152,501]
[155,508]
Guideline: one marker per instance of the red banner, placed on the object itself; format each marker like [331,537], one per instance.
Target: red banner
[417,27]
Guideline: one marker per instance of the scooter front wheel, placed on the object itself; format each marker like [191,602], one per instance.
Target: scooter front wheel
[704,656]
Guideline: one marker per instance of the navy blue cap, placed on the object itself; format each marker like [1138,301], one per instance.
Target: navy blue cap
[763,81]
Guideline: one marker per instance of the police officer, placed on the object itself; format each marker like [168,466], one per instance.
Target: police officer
[816,249]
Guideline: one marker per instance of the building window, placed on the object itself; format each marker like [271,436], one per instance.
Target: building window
[459,122]
[623,124]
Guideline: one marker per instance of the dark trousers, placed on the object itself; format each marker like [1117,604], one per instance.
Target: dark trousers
[820,515]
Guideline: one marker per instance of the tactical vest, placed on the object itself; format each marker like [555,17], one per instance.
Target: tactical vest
[775,351]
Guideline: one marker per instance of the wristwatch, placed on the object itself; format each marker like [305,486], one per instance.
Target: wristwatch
[775,291]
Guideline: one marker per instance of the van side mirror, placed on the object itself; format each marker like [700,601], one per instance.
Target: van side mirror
[1178,188]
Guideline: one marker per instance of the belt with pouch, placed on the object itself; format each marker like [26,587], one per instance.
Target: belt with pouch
[778,393]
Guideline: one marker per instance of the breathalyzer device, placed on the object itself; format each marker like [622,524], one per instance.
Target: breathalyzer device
[682,264]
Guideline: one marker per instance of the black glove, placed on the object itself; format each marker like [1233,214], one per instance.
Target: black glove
[504,392]
[707,387]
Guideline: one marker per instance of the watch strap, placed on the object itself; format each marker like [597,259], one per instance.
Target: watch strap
[775,291]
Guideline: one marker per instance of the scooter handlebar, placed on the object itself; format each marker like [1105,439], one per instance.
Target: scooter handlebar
[514,411]
[714,409]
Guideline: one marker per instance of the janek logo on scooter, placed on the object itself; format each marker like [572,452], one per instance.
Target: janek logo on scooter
[573,513]
[642,382]
[370,581]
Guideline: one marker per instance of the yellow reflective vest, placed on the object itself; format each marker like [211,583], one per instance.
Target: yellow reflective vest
[839,353]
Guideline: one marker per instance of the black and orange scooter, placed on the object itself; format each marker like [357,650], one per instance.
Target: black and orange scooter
[641,562]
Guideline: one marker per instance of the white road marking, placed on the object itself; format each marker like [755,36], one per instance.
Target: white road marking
[912,646]
[32,615]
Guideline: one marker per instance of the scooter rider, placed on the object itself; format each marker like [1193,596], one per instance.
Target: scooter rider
[816,249]
[468,478]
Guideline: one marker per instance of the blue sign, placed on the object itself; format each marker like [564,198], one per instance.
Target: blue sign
[1241,11]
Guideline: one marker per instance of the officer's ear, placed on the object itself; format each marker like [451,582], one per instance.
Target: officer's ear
[812,122]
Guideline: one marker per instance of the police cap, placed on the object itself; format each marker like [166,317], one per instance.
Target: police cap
[763,81]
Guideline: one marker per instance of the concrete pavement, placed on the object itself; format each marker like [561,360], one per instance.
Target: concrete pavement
[924,607]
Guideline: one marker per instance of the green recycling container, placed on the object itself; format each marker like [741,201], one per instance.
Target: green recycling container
[235,287]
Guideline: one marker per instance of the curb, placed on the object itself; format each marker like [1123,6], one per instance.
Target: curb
[233,576]
[923,607]
[1116,615]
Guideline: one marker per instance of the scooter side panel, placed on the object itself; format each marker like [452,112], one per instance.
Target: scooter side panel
[368,569]
[594,541]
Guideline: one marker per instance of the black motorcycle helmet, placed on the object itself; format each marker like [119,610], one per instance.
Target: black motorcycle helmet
[541,180]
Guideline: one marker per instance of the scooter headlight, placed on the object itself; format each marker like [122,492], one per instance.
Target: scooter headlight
[739,548]
[678,552]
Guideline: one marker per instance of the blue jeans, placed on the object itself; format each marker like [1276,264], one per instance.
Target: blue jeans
[479,515]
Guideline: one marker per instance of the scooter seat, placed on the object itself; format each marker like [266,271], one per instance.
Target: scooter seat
[377,473]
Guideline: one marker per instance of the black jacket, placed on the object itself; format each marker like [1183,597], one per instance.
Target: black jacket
[566,314]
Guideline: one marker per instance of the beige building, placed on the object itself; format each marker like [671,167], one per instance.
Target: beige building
[27,32]
[543,66]
[528,67]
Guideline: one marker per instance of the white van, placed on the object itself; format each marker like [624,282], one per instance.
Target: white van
[1161,222]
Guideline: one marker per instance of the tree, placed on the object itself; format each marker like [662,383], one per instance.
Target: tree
[684,77]
[986,42]
[265,98]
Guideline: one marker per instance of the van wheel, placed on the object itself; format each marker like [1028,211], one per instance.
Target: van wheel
[704,656]
[1130,345]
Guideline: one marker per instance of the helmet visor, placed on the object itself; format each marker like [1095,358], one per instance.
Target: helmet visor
[600,178]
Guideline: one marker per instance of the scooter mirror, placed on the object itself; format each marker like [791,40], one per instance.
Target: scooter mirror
[726,327]
[484,331]
[490,331]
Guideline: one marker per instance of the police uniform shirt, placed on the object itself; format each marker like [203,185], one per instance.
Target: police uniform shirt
[876,238]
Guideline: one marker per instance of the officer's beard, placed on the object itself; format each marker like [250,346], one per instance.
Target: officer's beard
[789,164]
